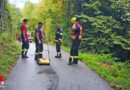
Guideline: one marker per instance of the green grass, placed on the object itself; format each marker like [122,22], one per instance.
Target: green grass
[9,52]
[117,74]
[67,49]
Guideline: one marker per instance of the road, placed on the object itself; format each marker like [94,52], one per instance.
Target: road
[27,75]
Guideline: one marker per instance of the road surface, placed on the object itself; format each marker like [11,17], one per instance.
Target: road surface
[27,75]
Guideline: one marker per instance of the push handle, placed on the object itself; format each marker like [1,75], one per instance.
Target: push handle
[48,50]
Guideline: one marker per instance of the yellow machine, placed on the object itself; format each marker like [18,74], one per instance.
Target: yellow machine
[44,61]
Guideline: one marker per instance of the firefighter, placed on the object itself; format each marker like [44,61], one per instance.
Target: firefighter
[58,40]
[39,35]
[76,38]
[25,42]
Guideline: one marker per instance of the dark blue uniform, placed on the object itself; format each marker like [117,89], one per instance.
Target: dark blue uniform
[58,40]
[76,39]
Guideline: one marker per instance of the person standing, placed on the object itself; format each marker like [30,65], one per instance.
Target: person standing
[25,42]
[39,35]
[76,38]
[58,40]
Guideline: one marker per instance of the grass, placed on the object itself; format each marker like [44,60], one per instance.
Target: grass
[117,74]
[9,52]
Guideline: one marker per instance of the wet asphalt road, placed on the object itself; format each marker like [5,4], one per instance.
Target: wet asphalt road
[27,75]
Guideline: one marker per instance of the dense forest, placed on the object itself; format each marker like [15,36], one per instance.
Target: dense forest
[106,25]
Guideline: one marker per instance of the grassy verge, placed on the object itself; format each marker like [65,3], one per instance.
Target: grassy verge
[9,52]
[117,74]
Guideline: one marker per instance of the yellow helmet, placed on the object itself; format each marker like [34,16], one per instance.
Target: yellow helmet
[73,20]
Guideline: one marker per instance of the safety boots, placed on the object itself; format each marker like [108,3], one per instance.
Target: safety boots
[24,55]
[58,56]
[73,61]
[70,61]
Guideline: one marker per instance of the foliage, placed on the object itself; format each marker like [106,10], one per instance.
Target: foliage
[9,51]
[116,73]
[14,15]
[106,30]
[50,12]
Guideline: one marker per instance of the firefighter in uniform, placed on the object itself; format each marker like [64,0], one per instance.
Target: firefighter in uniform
[58,40]
[25,42]
[39,35]
[76,38]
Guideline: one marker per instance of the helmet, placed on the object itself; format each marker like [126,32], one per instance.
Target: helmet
[73,20]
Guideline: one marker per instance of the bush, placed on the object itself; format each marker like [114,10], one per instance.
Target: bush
[9,51]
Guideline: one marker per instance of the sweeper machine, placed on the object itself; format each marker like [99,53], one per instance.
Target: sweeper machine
[44,61]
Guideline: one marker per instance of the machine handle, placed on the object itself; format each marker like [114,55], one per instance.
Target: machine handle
[48,51]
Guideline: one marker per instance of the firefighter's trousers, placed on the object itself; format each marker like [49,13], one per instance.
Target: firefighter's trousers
[74,51]
[39,50]
[58,48]
[25,46]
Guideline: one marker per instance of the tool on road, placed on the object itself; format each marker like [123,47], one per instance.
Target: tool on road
[44,61]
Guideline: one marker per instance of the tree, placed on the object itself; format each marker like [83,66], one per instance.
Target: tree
[104,32]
